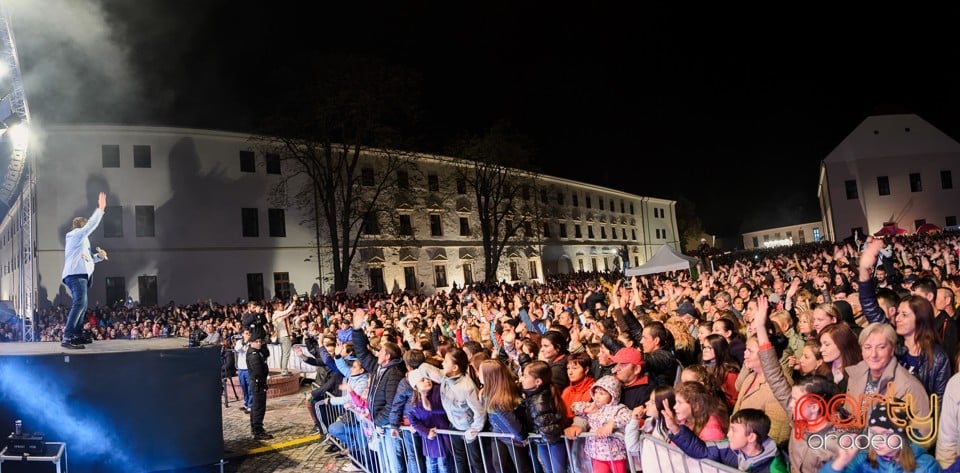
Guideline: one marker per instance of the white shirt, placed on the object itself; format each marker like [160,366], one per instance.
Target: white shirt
[77,258]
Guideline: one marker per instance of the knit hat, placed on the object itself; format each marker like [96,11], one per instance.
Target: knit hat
[881,417]
[611,385]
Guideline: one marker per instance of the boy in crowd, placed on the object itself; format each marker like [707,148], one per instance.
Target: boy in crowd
[746,448]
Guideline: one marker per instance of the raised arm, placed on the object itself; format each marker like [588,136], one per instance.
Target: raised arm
[769,363]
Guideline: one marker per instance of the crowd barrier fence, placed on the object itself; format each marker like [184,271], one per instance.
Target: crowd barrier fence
[384,450]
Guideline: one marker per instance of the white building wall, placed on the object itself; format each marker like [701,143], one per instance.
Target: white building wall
[796,234]
[196,188]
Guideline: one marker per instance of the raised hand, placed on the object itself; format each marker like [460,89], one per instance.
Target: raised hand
[102,201]
[670,419]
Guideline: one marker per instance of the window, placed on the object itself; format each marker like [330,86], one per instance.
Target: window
[603,233]
[633,234]
[433,183]
[631,208]
[593,263]
[366,177]
[464,226]
[403,179]
[148,290]
[278,224]
[440,276]
[113,222]
[273,163]
[533,270]
[543,196]
[883,185]
[580,264]
[546,230]
[377,284]
[951,220]
[776,236]
[916,185]
[436,228]
[576,201]
[622,208]
[590,231]
[563,230]
[919,222]
[255,286]
[371,225]
[576,232]
[141,156]
[600,203]
[145,220]
[405,228]
[946,180]
[527,229]
[611,206]
[410,278]
[851,189]
[756,242]
[636,261]
[606,264]
[248,161]
[467,274]
[800,236]
[623,232]
[657,230]
[116,290]
[110,155]
[766,238]
[514,271]
[250,221]
[790,236]
[461,186]
[816,234]
[559,198]
[281,285]
[589,206]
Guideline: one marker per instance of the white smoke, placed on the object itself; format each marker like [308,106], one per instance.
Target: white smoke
[75,66]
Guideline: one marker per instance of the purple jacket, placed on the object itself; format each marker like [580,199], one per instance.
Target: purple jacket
[422,420]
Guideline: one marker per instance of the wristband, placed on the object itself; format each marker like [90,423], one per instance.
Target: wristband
[765,346]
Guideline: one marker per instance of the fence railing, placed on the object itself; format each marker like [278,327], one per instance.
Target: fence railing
[387,451]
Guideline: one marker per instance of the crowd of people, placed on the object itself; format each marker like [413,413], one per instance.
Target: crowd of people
[727,365]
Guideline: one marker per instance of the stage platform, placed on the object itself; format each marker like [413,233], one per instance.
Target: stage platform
[118,405]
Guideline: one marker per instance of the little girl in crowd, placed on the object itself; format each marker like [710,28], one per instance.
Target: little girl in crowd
[605,415]
[426,416]
[546,413]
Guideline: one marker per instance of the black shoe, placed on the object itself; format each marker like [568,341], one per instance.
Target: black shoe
[332,449]
[262,436]
[73,344]
[316,431]
[85,339]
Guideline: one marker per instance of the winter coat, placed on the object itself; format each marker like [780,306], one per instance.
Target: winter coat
[904,384]
[757,394]
[546,417]
[948,437]
[460,400]
[383,383]
[609,448]
[860,464]
[934,380]
[509,422]
[721,452]
[422,420]
[400,401]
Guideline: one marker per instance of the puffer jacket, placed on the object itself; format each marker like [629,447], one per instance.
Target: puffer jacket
[383,385]
[935,380]
[609,448]
[545,415]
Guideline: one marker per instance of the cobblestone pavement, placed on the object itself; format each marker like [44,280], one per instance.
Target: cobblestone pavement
[293,448]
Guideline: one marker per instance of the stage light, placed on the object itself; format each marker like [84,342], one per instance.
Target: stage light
[19,135]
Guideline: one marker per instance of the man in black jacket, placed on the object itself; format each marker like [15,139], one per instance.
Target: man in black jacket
[255,320]
[257,367]
[386,370]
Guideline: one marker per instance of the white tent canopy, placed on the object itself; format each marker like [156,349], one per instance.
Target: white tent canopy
[665,259]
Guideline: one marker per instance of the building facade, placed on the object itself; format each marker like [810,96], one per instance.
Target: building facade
[784,236]
[192,215]
[891,168]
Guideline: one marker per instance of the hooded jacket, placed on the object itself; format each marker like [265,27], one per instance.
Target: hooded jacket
[925,464]
[609,448]
[721,452]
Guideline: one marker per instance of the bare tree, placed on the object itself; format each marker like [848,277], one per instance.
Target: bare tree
[337,142]
[496,171]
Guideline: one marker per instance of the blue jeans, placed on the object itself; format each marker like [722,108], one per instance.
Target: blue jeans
[77,283]
[244,377]
[346,434]
[553,457]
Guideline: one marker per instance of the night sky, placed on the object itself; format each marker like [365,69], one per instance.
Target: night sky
[730,108]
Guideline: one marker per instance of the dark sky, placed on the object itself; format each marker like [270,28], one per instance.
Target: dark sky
[732,109]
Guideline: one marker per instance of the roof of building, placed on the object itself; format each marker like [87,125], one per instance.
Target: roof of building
[885,136]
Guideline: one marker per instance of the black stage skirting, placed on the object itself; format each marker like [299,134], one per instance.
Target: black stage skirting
[119,405]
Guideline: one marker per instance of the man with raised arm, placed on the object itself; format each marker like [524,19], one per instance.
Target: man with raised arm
[78,261]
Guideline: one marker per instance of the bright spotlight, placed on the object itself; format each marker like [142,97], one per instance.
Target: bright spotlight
[19,135]
[4,70]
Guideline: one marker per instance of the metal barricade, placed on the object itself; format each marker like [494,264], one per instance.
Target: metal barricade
[401,451]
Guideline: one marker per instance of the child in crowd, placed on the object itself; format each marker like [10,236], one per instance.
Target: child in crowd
[646,421]
[426,416]
[702,413]
[747,446]
[605,415]
[889,451]
[546,413]
[501,401]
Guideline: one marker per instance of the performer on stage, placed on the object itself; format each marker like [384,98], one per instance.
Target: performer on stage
[77,270]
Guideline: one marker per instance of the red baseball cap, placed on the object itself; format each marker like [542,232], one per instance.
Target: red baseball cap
[628,355]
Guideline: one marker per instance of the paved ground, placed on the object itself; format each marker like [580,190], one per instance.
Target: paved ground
[289,422]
